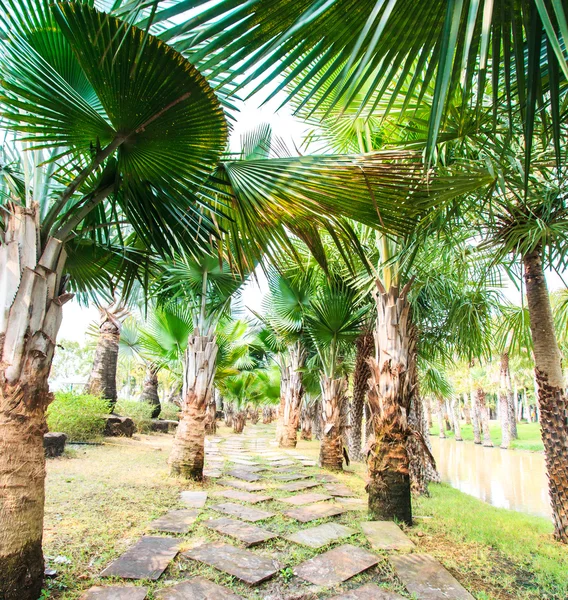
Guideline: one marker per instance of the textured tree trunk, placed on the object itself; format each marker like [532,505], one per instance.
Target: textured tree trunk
[418,466]
[284,373]
[440,413]
[426,408]
[187,456]
[483,412]
[552,397]
[150,391]
[239,421]
[454,408]
[317,419]
[475,419]
[389,400]
[334,420]
[293,399]
[229,412]
[365,347]
[513,414]
[211,416]
[32,295]
[254,416]
[102,380]
[505,400]
[267,415]
[306,422]
[466,409]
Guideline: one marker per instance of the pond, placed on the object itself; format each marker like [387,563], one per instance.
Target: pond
[514,479]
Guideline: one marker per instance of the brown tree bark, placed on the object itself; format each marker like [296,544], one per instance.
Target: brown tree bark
[32,295]
[365,347]
[188,452]
[211,416]
[150,391]
[229,412]
[334,421]
[284,373]
[293,398]
[389,402]
[552,397]
[267,415]
[306,422]
[483,412]
[239,421]
[102,380]
[505,400]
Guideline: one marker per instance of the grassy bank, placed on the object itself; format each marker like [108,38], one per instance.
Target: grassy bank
[100,500]
[529,435]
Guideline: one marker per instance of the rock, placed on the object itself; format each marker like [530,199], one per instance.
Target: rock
[163,425]
[54,443]
[117,426]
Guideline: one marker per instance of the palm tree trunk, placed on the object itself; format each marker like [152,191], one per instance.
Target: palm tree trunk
[188,452]
[365,346]
[454,408]
[483,412]
[267,415]
[466,409]
[317,418]
[306,422]
[102,380]
[293,399]
[440,413]
[475,418]
[211,417]
[239,421]
[284,372]
[333,411]
[552,397]
[513,414]
[505,400]
[32,295]
[229,412]
[150,391]
[389,401]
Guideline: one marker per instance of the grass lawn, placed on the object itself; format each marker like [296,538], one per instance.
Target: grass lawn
[100,500]
[529,435]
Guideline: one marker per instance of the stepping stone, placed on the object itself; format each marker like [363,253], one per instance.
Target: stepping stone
[308,463]
[368,592]
[283,470]
[298,486]
[242,564]
[425,577]
[300,499]
[250,468]
[197,588]
[246,513]
[194,499]
[115,592]
[284,463]
[242,474]
[326,478]
[244,461]
[386,535]
[147,559]
[339,490]
[311,512]
[316,537]
[242,485]
[175,521]
[241,496]
[249,535]
[352,503]
[213,473]
[289,477]
[337,565]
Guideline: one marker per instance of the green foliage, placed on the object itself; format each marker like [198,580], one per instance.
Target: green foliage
[170,411]
[79,416]
[139,412]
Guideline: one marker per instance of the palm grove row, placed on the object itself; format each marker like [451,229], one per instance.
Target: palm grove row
[442,131]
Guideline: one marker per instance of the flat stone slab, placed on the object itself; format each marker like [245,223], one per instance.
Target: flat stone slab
[352,503]
[339,490]
[242,485]
[288,477]
[299,485]
[301,499]
[316,537]
[311,512]
[242,564]
[283,463]
[368,592]
[175,521]
[115,592]
[243,474]
[337,565]
[147,559]
[247,513]
[386,535]
[425,577]
[308,463]
[244,461]
[326,478]
[194,499]
[197,588]
[241,496]
[249,535]
[213,473]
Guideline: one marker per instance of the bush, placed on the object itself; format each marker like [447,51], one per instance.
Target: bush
[77,415]
[170,411]
[139,412]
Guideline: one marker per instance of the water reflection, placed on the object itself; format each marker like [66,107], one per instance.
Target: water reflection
[511,479]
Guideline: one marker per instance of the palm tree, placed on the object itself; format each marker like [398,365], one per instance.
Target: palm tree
[334,321]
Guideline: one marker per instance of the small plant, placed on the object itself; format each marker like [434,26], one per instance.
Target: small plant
[287,573]
[139,412]
[79,416]
[170,411]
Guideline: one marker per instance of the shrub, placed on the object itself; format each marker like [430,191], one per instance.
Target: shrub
[77,415]
[170,411]
[139,412]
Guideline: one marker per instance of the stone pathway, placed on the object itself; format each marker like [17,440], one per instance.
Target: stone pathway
[284,500]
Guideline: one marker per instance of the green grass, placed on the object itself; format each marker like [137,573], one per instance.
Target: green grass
[79,416]
[529,435]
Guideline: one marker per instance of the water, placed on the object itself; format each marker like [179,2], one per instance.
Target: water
[513,479]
